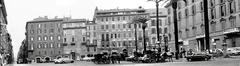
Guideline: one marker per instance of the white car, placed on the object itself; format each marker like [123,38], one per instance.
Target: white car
[63,60]
[87,58]
[233,51]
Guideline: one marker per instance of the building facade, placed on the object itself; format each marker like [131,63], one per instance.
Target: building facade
[92,38]
[44,39]
[6,52]
[223,26]
[115,33]
[152,29]
[74,38]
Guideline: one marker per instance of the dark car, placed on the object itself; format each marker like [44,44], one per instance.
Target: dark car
[198,56]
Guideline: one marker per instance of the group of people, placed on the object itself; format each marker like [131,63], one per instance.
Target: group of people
[107,58]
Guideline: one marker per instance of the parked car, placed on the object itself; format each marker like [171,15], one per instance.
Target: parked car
[198,56]
[87,58]
[63,60]
[233,51]
[130,58]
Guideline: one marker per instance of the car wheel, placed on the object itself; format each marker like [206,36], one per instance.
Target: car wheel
[206,59]
[189,59]
[72,61]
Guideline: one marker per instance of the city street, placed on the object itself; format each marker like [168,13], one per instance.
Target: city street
[222,62]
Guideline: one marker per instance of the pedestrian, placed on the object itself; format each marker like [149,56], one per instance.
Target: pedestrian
[119,58]
[169,56]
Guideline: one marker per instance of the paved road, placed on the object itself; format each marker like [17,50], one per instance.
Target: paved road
[234,62]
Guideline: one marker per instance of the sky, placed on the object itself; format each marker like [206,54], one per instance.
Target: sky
[21,11]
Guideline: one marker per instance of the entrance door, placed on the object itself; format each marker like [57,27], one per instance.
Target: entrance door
[38,60]
[201,45]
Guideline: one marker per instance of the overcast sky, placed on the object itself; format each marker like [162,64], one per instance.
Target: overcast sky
[21,11]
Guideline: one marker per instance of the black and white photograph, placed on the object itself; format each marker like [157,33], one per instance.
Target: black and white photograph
[119,32]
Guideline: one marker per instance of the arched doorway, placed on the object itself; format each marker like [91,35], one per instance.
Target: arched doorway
[47,59]
[38,60]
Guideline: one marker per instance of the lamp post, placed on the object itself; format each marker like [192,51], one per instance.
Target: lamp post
[157,19]
[144,25]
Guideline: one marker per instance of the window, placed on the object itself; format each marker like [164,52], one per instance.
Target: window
[31,38]
[186,13]
[153,31]
[165,30]
[187,32]
[94,49]
[113,26]
[94,34]
[193,10]
[223,10]
[59,45]
[106,19]
[112,18]
[59,37]
[202,29]
[118,18]
[102,27]
[88,50]
[51,45]
[124,25]
[51,37]
[180,34]
[160,22]
[72,39]
[160,30]
[232,20]
[111,35]
[106,26]
[169,10]
[45,45]
[213,26]
[153,23]
[213,13]
[232,6]
[51,31]
[223,24]
[39,45]
[201,6]
[119,26]
[39,25]
[129,25]
[179,16]
[65,39]
[45,38]
[115,35]
[39,38]
[124,17]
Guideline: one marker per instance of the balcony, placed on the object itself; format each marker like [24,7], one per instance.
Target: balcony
[232,30]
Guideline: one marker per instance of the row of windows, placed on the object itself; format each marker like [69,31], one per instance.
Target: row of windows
[39,31]
[45,25]
[116,18]
[94,49]
[46,45]
[123,35]
[223,23]
[119,26]
[39,38]
[45,52]
[153,22]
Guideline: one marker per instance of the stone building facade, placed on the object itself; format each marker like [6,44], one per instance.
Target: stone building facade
[74,38]
[224,28]
[44,39]
[114,33]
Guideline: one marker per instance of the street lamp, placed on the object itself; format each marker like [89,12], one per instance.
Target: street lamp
[157,26]
[144,25]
